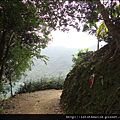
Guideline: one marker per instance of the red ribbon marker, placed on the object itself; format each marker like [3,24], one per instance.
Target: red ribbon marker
[91,80]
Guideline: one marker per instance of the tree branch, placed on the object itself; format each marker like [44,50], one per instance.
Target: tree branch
[111,27]
[18,65]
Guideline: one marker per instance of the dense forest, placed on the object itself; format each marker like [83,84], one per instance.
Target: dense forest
[25,29]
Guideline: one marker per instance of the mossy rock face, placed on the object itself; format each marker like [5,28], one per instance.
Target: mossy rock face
[104,96]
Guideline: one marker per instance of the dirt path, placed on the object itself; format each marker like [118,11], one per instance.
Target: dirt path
[39,102]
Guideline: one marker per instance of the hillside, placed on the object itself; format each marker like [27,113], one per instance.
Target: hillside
[60,62]
[104,96]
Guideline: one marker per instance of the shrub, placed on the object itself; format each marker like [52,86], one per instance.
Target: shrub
[82,55]
[42,84]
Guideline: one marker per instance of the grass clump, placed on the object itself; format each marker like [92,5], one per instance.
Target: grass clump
[42,84]
[2,111]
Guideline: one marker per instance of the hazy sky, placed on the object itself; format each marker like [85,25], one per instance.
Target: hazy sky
[73,39]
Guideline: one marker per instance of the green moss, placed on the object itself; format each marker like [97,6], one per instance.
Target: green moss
[77,96]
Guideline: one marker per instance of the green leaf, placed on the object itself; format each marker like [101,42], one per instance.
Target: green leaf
[85,27]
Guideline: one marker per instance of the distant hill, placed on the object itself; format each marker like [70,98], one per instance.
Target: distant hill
[60,62]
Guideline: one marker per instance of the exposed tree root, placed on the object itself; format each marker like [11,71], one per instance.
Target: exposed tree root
[114,54]
[113,57]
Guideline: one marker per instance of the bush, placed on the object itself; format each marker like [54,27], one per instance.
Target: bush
[42,84]
[82,55]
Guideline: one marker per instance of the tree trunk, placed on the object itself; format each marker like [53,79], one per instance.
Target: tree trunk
[2,45]
[11,84]
[111,27]
[3,64]
[3,59]
[98,45]
[2,69]
[11,75]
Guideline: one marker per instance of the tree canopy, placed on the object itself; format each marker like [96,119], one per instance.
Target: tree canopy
[19,39]
[19,23]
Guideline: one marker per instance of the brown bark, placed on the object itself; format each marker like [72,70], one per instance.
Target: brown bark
[111,27]
[3,61]
[98,45]
[11,84]
[2,45]
[3,64]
